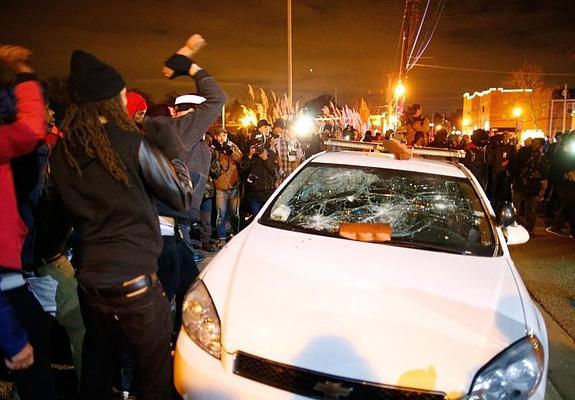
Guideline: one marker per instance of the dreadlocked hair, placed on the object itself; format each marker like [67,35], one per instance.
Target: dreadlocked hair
[84,130]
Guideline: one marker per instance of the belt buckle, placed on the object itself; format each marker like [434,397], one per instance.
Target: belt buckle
[141,284]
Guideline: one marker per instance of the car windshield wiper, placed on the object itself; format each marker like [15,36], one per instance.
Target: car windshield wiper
[425,246]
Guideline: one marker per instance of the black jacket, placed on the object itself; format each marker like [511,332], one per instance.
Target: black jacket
[260,175]
[116,224]
[528,169]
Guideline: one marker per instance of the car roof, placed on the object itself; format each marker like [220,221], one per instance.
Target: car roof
[387,161]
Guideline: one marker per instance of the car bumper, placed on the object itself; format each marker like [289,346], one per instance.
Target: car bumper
[199,376]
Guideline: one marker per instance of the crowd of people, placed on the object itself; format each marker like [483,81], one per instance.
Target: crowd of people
[107,211]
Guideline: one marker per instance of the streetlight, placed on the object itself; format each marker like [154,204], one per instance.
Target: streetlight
[399,90]
[517,112]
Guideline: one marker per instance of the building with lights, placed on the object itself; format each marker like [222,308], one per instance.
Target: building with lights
[530,113]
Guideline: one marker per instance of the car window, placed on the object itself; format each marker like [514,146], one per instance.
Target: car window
[428,211]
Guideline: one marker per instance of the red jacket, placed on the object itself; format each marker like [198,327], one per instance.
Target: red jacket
[17,139]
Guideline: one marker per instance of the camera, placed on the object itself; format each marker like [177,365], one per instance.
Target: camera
[252,178]
[225,147]
[258,143]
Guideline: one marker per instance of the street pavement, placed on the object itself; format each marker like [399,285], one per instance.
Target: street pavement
[547,266]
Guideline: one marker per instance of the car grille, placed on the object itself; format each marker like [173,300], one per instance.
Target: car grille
[316,385]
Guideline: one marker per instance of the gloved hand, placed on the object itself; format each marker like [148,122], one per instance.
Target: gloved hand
[181,62]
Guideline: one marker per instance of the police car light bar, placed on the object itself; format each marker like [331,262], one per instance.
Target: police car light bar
[337,145]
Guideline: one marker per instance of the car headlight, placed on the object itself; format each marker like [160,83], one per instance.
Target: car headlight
[200,319]
[513,374]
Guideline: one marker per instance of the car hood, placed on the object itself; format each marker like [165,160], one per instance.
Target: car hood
[366,311]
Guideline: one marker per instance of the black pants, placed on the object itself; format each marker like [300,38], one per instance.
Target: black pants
[35,382]
[176,270]
[525,205]
[145,321]
[566,211]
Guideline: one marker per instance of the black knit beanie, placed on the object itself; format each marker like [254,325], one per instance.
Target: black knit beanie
[91,79]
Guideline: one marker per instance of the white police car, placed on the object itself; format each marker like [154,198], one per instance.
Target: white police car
[366,277]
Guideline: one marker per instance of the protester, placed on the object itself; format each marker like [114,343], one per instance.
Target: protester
[552,197]
[262,134]
[476,156]
[414,121]
[289,151]
[103,153]
[563,172]
[260,167]
[183,135]
[24,327]
[440,139]
[227,182]
[136,107]
[56,268]
[206,208]
[499,155]
[528,171]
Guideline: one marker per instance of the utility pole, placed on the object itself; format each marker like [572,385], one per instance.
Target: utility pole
[565,92]
[410,17]
[290,55]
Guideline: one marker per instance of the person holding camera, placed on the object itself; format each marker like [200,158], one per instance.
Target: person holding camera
[416,122]
[228,156]
[289,151]
[260,168]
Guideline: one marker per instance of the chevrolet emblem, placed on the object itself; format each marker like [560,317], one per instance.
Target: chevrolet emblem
[333,390]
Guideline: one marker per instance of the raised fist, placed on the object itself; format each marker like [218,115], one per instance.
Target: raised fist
[195,43]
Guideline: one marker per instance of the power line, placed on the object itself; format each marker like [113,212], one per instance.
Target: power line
[487,70]
[418,31]
[426,39]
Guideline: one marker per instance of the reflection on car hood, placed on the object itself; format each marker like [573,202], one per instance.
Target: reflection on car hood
[369,311]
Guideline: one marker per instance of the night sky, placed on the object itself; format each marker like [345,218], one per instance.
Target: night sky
[340,46]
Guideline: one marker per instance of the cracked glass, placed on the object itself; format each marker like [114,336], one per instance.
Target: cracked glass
[427,211]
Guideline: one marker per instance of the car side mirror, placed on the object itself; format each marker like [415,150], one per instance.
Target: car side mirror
[507,215]
[513,232]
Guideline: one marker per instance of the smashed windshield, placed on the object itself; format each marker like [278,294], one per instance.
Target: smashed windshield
[425,211]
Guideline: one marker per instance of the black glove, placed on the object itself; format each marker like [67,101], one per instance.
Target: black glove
[179,64]
[228,149]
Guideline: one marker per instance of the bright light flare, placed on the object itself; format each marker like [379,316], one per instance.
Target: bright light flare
[249,118]
[465,122]
[400,90]
[517,112]
[304,125]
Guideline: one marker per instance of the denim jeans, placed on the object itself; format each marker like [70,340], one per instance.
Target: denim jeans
[255,205]
[206,219]
[227,207]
